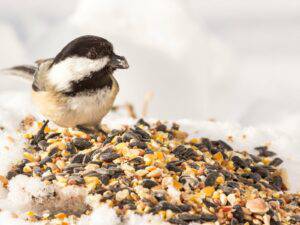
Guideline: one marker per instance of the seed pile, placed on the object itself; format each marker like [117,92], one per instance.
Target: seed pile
[155,169]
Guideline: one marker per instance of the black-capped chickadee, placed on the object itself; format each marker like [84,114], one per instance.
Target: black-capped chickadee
[77,87]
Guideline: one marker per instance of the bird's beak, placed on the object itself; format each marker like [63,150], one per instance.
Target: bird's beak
[118,62]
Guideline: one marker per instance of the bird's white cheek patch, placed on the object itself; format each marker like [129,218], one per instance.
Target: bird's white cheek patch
[74,69]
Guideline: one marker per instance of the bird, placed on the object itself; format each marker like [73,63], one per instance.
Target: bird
[76,88]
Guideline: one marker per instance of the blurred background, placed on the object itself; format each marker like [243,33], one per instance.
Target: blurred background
[228,60]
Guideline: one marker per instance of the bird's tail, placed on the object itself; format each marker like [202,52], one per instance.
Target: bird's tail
[25,71]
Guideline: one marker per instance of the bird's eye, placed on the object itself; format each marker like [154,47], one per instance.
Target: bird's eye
[92,54]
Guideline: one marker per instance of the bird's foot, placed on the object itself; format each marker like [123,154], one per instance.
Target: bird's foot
[84,129]
[100,129]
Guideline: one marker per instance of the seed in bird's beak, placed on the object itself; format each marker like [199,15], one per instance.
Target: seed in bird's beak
[118,62]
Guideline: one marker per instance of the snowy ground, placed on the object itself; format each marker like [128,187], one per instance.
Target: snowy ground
[232,61]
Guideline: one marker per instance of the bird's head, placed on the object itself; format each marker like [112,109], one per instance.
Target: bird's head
[82,58]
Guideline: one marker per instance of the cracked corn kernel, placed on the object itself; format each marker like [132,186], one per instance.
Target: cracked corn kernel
[247,169]
[220,180]
[121,146]
[121,195]
[65,153]
[266,160]
[169,214]
[160,137]
[230,165]
[141,172]
[218,157]
[3,180]
[47,129]
[27,169]
[208,191]
[149,159]
[30,213]
[27,136]
[276,195]
[60,145]
[78,133]
[91,182]
[163,214]
[159,155]
[28,156]
[177,184]
[130,153]
[60,164]
[155,173]
[216,195]
[195,140]
[61,216]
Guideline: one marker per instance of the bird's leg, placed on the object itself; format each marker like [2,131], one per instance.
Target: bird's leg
[100,129]
[85,129]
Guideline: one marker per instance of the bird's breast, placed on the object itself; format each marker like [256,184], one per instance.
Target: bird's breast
[87,108]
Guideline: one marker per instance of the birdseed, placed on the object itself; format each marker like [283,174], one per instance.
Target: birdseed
[154,169]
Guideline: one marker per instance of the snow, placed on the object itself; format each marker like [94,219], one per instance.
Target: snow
[101,216]
[21,190]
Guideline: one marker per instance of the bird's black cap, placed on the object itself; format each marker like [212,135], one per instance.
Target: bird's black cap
[89,46]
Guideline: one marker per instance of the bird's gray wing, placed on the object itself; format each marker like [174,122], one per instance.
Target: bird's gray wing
[25,71]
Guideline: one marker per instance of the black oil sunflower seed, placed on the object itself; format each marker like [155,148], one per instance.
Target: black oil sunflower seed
[82,143]
[148,183]
[185,207]
[127,136]
[40,134]
[52,135]
[142,122]
[254,176]
[238,213]
[53,152]
[233,184]
[109,155]
[205,217]
[177,221]
[45,160]
[139,144]
[111,136]
[207,143]
[234,221]
[173,166]
[71,148]
[189,217]
[144,135]
[276,162]
[277,182]
[238,162]
[225,146]
[77,158]
[161,127]
[43,145]
[263,151]
[164,205]
[209,204]
[260,170]
[179,150]
[211,179]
